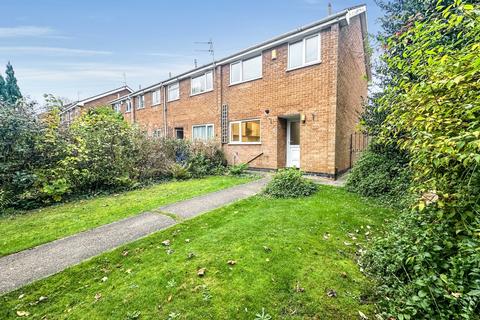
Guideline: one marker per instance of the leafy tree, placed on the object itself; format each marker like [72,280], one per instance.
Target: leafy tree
[12,91]
[429,263]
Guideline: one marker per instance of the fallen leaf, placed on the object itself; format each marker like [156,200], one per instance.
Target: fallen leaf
[166,242]
[298,288]
[332,293]
[191,255]
[268,260]
[343,274]
[456,294]
[201,272]
[104,279]
[42,298]
[98,296]
[125,253]
[362,315]
[129,271]
[347,243]
[170,297]
[326,236]
[21,296]
[170,251]
[267,249]
[23,313]
[232,262]
[187,240]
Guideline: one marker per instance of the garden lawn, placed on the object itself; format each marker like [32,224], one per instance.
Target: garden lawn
[26,230]
[288,255]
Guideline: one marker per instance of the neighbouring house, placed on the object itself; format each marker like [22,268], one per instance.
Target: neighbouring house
[72,110]
[293,100]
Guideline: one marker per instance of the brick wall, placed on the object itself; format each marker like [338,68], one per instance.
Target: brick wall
[352,88]
[328,95]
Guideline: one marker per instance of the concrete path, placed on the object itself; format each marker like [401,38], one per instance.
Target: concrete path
[19,269]
[195,206]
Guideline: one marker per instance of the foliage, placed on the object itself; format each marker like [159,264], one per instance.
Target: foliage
[19,132]
[382,172]
[428,264]
[237,169]
[11,90]
[43,161]
[100,151]
[290,183]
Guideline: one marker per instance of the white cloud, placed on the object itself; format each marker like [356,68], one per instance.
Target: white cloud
[52,51]
[25,31]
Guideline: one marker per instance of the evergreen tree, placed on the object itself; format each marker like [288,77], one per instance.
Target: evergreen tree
[2,89]
[12,91]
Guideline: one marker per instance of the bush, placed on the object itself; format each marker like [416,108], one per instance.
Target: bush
[237,169]
[382,172]
[206,158]
[290,183]
[423,270]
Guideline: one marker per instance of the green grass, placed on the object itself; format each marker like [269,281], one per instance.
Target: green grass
[278,246]
[23,231]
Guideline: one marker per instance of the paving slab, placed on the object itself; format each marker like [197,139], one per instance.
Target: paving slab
[193,207]
[39,262]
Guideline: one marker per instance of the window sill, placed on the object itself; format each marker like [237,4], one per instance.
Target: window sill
[173,100]
[235,83]
[128,111]
[156,104]
[196,94]
[243,143]
[304,66]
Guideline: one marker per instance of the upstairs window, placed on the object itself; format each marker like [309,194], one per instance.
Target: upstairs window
[246,70]
[247,131]
[304,52]
[202,132]
[155,97]
[202,83]
[140,102]
[129,106]
[173,91]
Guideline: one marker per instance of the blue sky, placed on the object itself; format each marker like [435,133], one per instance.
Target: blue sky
[80,48]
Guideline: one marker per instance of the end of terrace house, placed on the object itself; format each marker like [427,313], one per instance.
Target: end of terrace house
[291,101]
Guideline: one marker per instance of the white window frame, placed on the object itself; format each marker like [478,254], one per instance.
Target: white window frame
[168,91]
[304,64]
[117,107]
[156,102]
[240,132]
[241,69]
[206,131]
[129,106]
[140,98]
[204,76]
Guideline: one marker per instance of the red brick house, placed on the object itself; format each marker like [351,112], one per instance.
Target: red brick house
[293,100]
[74,109]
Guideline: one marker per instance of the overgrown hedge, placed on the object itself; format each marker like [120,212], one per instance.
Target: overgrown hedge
[43,162]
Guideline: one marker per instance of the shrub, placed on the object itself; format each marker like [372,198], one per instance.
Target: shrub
[237,169]
[205,158]
[382,172]
[290,183]
[102,145]
[179,171]
[424,270]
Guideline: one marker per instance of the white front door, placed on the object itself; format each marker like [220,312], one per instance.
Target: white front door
[293,143]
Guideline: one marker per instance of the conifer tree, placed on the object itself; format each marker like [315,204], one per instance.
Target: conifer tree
[2,89]
[12,91]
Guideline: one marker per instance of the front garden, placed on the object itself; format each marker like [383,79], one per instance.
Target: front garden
[287,258]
